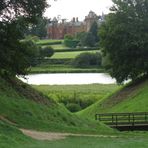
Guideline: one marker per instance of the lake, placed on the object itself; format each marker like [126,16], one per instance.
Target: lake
[68,79]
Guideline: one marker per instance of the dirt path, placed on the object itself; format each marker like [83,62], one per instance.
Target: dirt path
[6,120]
[56,136]
[50,135]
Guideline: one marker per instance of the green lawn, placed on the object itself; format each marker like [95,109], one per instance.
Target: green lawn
[59,46]
[46,41]
[70,55]
[91,142]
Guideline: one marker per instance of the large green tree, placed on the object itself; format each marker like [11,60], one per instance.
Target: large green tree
[87,39]
[15,15]
[94,30]
[124,38]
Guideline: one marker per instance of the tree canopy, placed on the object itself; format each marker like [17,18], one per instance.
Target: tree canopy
[39,29]
[15,15]
[124,38]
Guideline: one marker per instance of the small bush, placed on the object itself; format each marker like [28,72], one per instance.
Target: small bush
[87,102]
[69,41]
[46,51]
[88,40]
[75,102]
[73,107]
[87,59]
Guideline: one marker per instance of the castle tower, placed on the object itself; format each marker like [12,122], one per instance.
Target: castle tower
[90,20]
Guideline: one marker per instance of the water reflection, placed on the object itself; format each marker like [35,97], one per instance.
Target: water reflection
[69,78]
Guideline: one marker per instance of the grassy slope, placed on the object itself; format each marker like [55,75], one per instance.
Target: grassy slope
[132,98]
[27,108]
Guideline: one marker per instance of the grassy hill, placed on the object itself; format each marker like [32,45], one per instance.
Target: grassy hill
[22,106]
[131,98]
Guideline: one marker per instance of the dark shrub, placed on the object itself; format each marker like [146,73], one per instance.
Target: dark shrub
[70,41]
[46,51]
[73,107]
[88,40]
[87,59]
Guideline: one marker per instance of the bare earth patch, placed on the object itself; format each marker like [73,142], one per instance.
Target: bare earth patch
[56,136]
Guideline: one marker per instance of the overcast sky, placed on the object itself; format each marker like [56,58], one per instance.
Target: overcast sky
[76,8]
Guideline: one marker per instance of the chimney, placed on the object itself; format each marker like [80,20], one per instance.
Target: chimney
[63,21]
[73,19]
[77,20]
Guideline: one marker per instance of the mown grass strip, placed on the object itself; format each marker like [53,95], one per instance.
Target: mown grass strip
[49,42]
[70,55]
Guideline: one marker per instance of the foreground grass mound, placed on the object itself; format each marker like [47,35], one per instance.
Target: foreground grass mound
[131,98]
[11,137]
[22,106]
